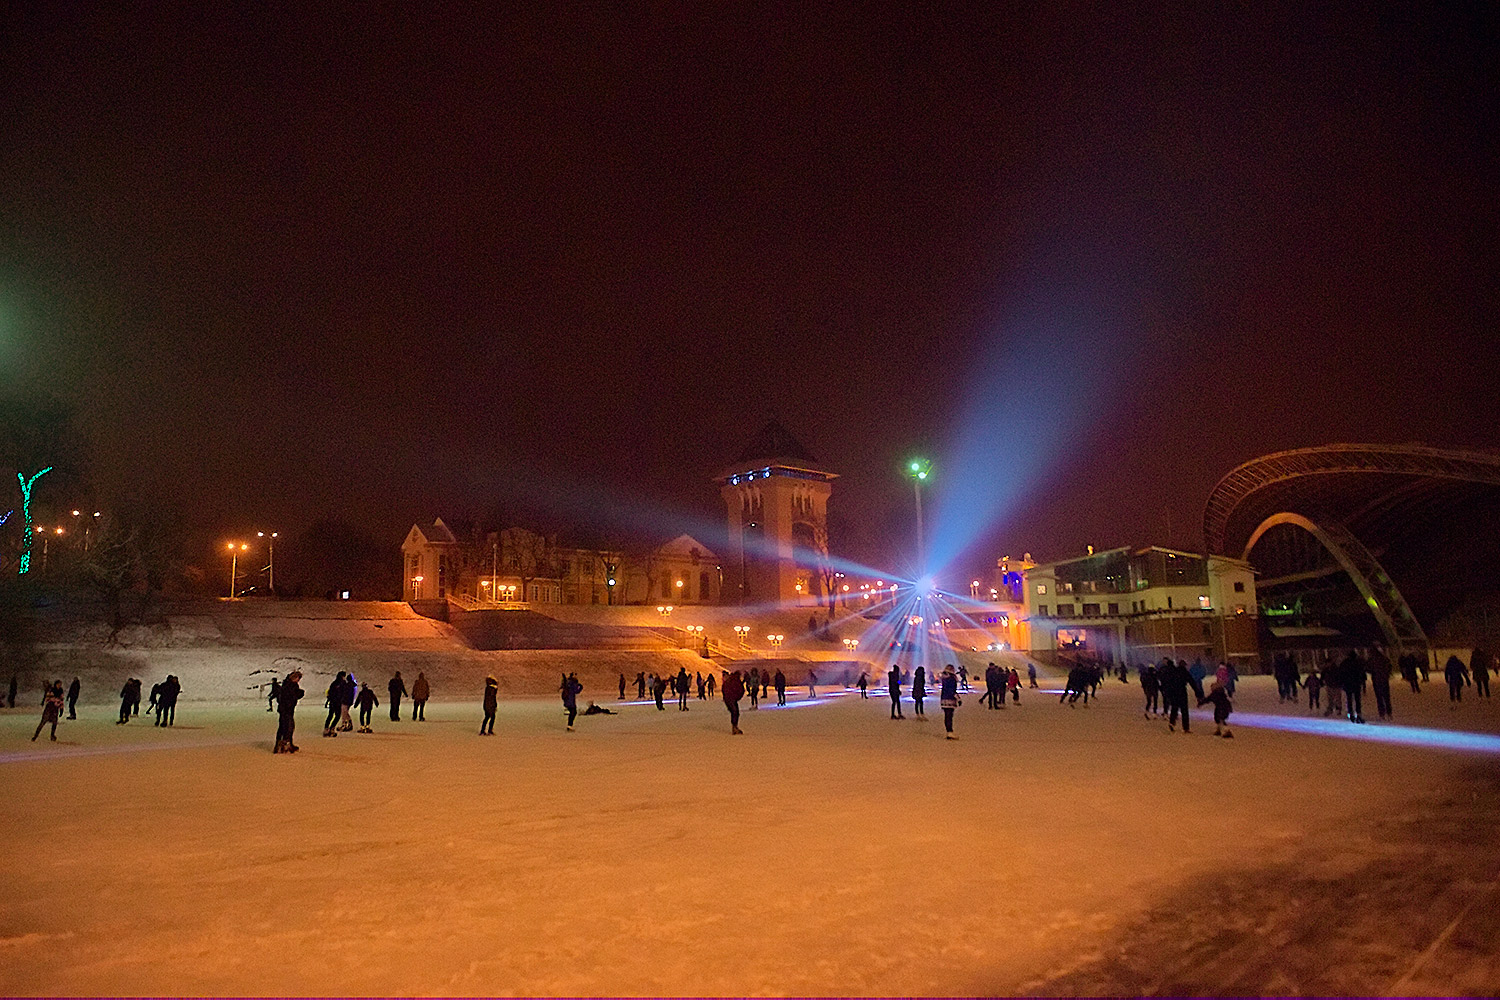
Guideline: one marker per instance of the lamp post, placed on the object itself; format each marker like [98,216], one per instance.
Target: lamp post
[775,640]
[974,590]
[271,558]
[416,588]
[919,469]
[742,632]
[851,644]
[234,563]
[665,610]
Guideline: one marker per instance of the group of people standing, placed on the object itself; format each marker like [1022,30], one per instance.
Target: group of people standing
[346,691]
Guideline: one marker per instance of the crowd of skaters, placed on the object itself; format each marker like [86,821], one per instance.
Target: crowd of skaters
[1335,686]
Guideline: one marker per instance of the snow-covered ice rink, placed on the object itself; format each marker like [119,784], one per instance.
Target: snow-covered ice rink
[829,850]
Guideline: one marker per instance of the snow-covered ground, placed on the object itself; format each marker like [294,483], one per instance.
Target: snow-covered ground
[829,850]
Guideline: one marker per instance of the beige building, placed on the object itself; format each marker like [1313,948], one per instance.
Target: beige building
[1139,605]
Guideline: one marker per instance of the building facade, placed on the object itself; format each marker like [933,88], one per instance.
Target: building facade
[1140,605]
[517,566]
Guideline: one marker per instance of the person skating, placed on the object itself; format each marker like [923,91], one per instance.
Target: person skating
[491,702]
[683,682]
[658,689]
[893,680]
[73,691]
[52,706]
[1352,677]
[334,699]
[1380,681]
[155,700]
[397,690]
[812,683]
[622,687]
[1015,686]
[1457,676]
[948,698]
[919,691]
[1479,668]
[1314,684]
[166,700]
[570,689]
[752,686]
[711,683]
[1176,679]
[733,689]
[1031,674]
[367,702]
[963,676]
[864,685]
[640,686]
[1151,688]
[1219,696]
[991,682]
[274,694]
[286,707]
[126,691]
[1408,664]
[780,687]
[420,692]
[702,684]
[351,688]
[765,682]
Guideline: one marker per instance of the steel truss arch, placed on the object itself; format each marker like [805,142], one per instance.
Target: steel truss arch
[1402,631]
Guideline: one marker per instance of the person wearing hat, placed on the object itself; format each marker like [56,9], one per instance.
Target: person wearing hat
[286,708]
[491,691]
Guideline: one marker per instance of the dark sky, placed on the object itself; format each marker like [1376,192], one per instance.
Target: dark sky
[387,263]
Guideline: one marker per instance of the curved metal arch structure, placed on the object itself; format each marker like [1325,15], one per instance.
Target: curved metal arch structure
[1339,459]
[1400,626]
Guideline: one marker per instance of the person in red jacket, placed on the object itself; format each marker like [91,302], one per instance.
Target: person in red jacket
[734,690]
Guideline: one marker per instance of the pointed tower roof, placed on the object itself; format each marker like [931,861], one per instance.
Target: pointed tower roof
[774,448]
[774,442]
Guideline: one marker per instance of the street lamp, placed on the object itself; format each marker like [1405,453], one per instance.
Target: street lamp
[974,590]
[851,644]
[919,469]
[775,639]
[234,563]
[416,588]
[665,610]
[271,551]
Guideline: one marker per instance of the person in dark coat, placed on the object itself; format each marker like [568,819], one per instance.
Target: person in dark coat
[812,683]
[334,699]
[491,702]
[367,702]
[702,683]
[780,687]
[126,693]
[640,686]
[1352,680]
[286,707]
[1176,679]
[711,683]
[1457,675]
[76,687]
[570,689]
[1479,668]
[351,689]
[420,692]
[683,687]
[919,692]
[752,687]
[948,698]
[135,697]
[1380,681]
[864,685]
[1151,688]
[622,687]
[397,690]
[1408,663]
[1219,696]
[733,690]
[893,680]
[1314,684]
[275,694]
[658,689]
[166,701]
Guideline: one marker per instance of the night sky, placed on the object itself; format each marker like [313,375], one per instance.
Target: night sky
[409,260]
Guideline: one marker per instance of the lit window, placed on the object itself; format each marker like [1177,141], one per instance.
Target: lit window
[1203,601]
[1041,589]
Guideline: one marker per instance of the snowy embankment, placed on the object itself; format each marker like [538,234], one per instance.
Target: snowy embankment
[225,651]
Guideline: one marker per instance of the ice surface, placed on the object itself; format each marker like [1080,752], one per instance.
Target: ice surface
[829,850]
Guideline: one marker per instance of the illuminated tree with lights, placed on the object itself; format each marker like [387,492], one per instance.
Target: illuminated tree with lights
[37,437]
